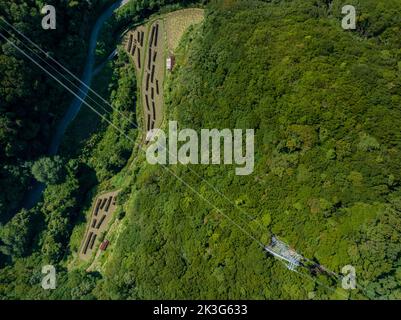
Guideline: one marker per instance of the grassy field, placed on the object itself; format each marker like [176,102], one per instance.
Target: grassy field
[178,22]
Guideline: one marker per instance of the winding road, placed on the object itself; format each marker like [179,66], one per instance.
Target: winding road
[34,195]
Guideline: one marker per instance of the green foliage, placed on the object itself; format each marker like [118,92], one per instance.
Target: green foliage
[64,199]
[132,14]
[80,284]
[31,103]
[59,208]
[368,143]
[113,149]
[324,104]
[17,234]
[325,114]
[49,170]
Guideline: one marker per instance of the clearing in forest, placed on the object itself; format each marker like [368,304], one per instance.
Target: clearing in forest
[149,46]
[102,212]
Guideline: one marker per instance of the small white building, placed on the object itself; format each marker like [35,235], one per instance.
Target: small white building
[170,62]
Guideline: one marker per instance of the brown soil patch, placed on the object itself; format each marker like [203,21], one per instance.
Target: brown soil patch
[102,212]
[153,76]
[134,42]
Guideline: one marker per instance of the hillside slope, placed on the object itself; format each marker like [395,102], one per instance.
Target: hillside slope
[324,104]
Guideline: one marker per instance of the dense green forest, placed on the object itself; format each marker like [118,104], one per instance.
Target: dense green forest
[41,235]
[325,106]
[92,152]
[31,103]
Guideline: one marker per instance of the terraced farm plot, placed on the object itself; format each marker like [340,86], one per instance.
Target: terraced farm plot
[177,22]
[153,77]
[134,43]
[102,212]
[149,46]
